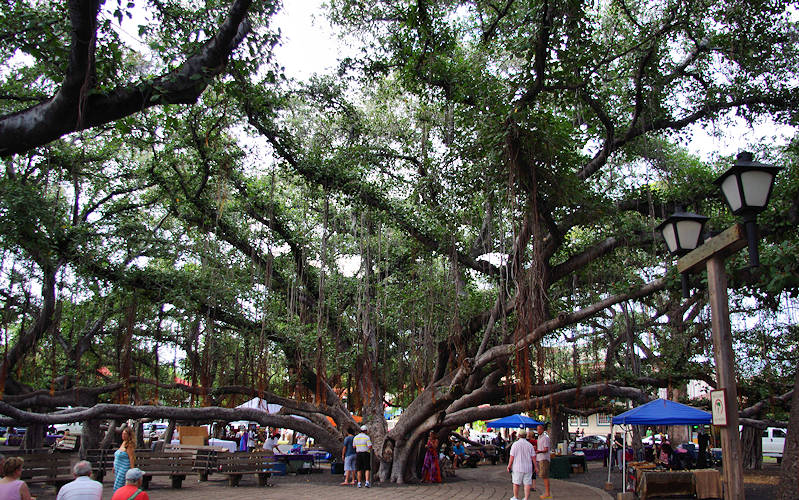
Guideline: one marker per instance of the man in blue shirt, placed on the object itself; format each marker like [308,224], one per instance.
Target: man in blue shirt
[348,456]
[460,454]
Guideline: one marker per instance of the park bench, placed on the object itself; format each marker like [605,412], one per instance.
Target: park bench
[235,465]
[102,462]
[205,457]
[47,468]
[176,465]
[67,443]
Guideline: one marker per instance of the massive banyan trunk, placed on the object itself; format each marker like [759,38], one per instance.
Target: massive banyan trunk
[752,446]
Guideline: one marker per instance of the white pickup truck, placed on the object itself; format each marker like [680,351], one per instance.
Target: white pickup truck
[773,442]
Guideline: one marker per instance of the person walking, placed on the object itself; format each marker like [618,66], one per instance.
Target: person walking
[11,486]
[521,465]
[349,456]
[542,458]
[83,487]
[124,457]
[363,456]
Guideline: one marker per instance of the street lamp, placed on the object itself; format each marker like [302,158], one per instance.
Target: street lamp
[682,231]
[747,186]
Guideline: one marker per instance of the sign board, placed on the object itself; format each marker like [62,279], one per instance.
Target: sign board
[196,436]
[718,405]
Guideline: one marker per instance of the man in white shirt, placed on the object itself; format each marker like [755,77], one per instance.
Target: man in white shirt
[83,487]
[270,443]
[363,456]
[521,466]
[542,457]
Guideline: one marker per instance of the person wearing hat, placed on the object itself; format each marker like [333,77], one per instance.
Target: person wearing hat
[132,489]
[520,465]
[363,456]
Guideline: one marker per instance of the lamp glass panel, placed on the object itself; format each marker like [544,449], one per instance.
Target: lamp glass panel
[757,184]
[730,189]
[670,237]
[689,231]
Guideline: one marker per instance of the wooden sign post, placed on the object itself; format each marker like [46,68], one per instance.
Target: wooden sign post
[712,253]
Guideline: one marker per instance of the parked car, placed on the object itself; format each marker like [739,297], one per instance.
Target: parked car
[594,441]
[75,428]
[774,442]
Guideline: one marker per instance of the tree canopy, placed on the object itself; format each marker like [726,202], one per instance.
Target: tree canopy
[463,214]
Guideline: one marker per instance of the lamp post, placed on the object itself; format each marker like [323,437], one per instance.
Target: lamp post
[746,187]
[682,231]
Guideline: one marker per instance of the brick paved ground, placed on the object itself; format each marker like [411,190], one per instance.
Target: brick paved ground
[484,483]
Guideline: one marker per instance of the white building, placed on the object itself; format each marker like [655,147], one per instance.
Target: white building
[597,424]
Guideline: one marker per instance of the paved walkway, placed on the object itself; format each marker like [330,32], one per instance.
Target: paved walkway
[484,483]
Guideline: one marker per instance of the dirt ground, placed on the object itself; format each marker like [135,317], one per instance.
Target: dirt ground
[759,485]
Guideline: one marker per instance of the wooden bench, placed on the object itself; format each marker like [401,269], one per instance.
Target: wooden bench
[235,465]
[102,462]
[47,468]
[67,443]
[176,465]
[205,457]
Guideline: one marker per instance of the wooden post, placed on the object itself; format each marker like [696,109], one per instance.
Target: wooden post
[732,458]
[712,253]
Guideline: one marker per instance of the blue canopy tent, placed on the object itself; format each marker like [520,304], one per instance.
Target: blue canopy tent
[658,412]
[663,412]
[514,422]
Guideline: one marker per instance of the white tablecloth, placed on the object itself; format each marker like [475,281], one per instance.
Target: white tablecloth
[219,443]
[222,443]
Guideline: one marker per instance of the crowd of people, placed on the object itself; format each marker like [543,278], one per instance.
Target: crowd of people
[82,487]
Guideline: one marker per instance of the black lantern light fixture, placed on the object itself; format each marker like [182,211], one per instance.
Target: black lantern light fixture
[747,187]
[682,232]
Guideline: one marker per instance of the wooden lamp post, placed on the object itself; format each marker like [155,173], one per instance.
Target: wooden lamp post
[746,187]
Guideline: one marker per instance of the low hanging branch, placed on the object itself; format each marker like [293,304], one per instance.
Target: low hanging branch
[206,414]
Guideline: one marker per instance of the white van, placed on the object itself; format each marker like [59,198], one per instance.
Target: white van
[774,442]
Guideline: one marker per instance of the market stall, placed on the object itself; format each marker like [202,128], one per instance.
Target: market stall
[660,412]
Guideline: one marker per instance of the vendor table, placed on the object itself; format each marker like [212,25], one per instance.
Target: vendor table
[223,443]
[559,467]
[594,454]
[577,460]
[702,483]
[297,463]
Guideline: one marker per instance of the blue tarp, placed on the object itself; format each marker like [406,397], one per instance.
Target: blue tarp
[663,412]
[513,422]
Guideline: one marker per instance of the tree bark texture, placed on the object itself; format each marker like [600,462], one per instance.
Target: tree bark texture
[752,447]
[788,488]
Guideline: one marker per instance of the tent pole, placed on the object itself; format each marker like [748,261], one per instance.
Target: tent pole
[624,462]
[610,450]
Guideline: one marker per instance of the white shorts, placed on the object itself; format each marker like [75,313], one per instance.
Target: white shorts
[522,478]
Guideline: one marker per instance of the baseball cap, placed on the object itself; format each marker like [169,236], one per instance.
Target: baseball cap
[134,474]
[363,427]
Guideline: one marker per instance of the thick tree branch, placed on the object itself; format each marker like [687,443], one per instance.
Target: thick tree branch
[73,108]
